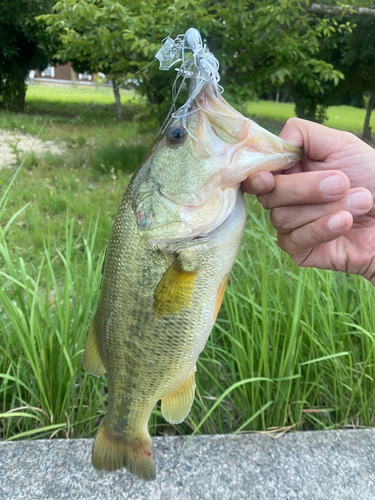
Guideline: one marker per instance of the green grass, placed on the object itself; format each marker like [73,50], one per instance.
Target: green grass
[88,178]
[79,94]
[53,191]
[339,117]
[123,158]
[297,342]
[64,113]
[292,348]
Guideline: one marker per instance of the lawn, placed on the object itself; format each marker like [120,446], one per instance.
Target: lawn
[80,94]
[291,349]
[339,117]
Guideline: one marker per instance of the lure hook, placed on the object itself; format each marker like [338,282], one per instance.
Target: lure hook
[202,69]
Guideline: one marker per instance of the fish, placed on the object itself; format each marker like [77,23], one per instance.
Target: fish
[172,246]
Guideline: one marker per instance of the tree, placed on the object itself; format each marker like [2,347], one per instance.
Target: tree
[352,52]
[264,44]
[23,46]
[259,44]
[310,103]
[118,37]
[359,61]
[342,9]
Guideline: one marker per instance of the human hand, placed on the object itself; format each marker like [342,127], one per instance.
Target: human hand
[323,207]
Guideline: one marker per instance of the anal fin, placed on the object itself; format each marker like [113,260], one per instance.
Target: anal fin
[92,362]
[176,406]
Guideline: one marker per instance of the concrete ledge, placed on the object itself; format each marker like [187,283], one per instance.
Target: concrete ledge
[302,465]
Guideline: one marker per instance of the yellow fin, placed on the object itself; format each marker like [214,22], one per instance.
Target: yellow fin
[220,295]
[91,358]
[109,453]
[174,290]
[176,406]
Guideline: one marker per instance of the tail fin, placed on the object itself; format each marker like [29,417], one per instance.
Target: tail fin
[109,453]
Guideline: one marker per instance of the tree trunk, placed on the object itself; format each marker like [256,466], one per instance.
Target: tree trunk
[366,127]
[116,91]
[21,99]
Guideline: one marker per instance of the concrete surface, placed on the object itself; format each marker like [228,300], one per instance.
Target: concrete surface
[302,465]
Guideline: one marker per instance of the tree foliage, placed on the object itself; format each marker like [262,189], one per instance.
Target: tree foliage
[350,49]
[23,46]
[267,44]
[259,44]
[120,37]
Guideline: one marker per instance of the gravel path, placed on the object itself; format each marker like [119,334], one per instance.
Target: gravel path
[317,465]
[25,143]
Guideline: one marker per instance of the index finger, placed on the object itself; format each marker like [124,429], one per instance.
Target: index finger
[306,188]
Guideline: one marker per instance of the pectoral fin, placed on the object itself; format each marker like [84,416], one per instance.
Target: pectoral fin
[174,290]
[91,358]
[176,406]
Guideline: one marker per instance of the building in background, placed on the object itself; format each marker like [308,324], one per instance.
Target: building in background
[65,74]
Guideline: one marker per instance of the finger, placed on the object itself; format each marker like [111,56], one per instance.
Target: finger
[292,170]
[317,141]
[299,242]
[306,188]
[258,183]
[285,219]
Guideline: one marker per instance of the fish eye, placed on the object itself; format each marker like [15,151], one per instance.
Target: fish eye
[176,134]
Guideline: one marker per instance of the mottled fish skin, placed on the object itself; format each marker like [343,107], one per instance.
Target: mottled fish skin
[147,356]
[162,285]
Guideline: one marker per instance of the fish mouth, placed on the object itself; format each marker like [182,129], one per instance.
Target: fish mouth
[189,191]
[240,143]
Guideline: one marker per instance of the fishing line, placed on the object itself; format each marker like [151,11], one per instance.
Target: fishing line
[14,172]
[130,77]
[174,18]
[116,88]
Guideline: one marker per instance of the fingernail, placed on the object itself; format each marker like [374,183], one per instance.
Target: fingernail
[259,184]
[337,221]
[359,200]
[333,185]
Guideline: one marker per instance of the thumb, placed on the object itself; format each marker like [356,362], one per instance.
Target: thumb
[292,131]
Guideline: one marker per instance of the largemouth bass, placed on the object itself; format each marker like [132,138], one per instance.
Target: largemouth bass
[173,243]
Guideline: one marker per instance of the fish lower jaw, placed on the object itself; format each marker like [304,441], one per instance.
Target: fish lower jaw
[199,223]
[206,233]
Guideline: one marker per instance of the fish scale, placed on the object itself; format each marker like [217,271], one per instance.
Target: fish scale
[173,243]
[146,356]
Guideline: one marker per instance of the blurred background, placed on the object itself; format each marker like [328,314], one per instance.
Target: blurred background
[81,99]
